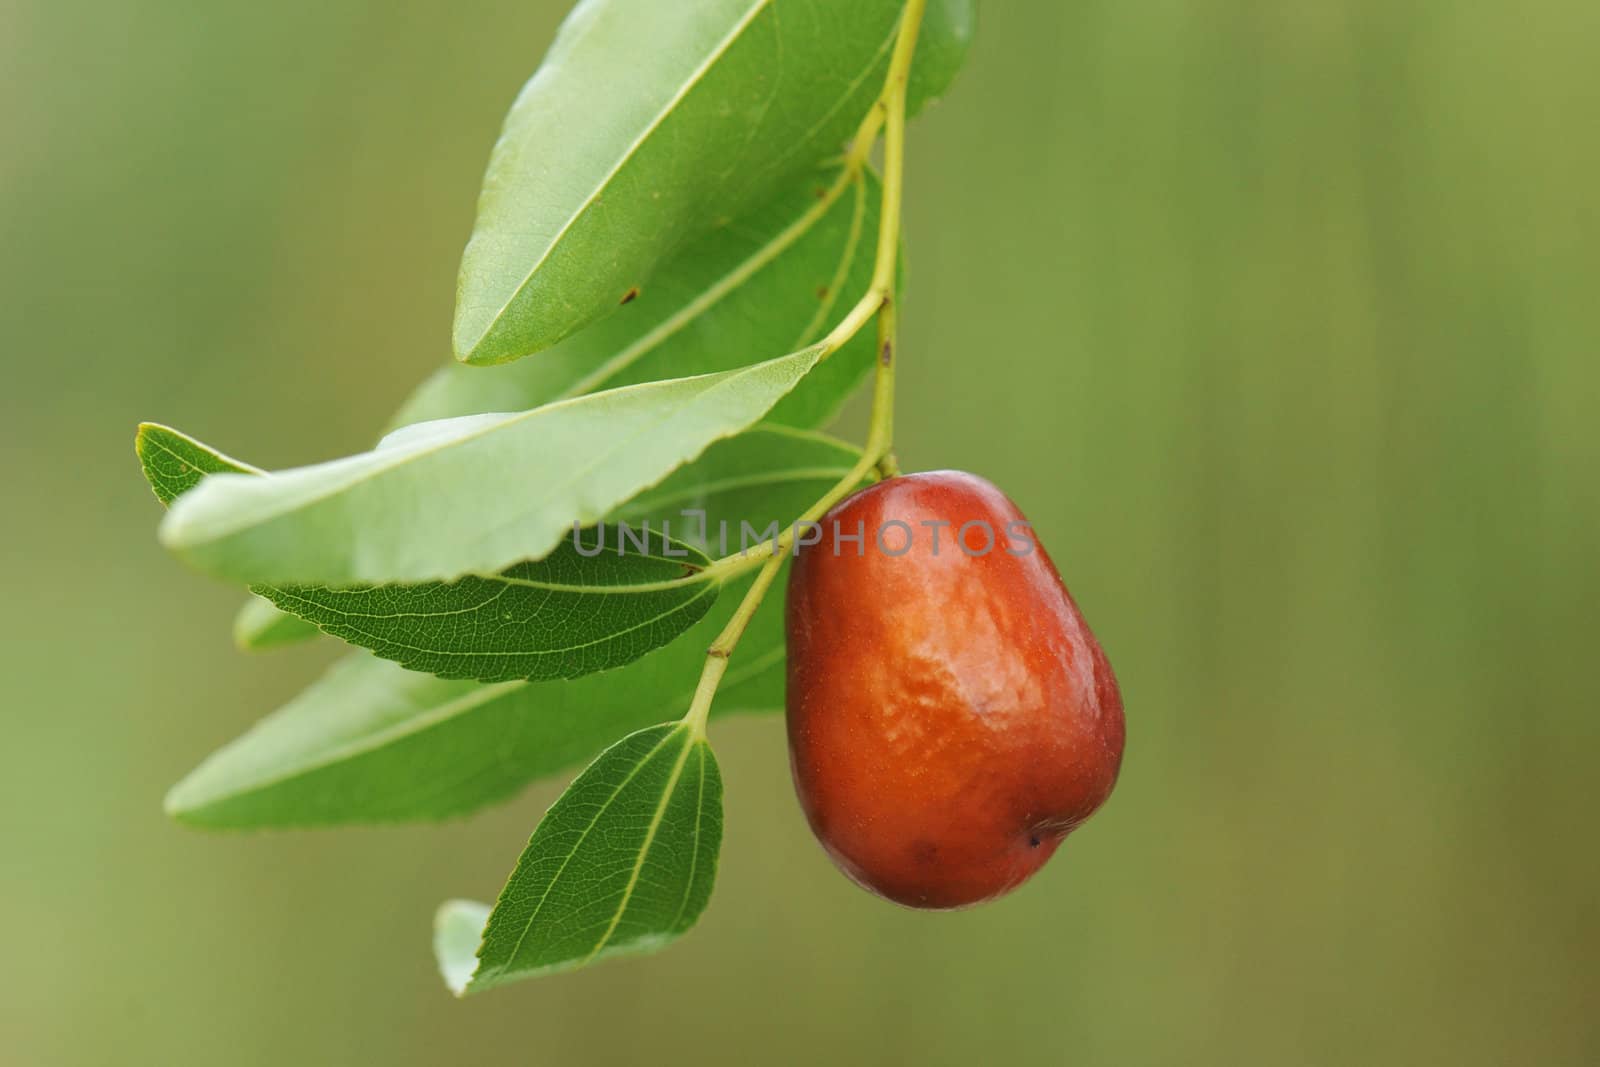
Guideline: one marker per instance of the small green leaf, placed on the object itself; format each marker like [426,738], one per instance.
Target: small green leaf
[948,28]
[371,742]
[773,280]
[457,933]
[471,495]
[690,114]
[260,626]
[569,614]
[621,864]
[174,463]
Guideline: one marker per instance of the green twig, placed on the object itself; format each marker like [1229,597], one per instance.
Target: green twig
[888,114]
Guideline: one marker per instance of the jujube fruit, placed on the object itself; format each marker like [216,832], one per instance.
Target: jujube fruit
[951,718]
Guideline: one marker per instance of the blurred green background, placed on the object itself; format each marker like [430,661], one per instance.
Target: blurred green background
[1278,318]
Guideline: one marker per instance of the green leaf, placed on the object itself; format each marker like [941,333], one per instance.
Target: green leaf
[576,612]
[457,933]
[623,863]
[948,28]
[772,281]
[567,615]
[690,114]
[738,486]
[174,463]
[260,626]
[471,495]
[371,742]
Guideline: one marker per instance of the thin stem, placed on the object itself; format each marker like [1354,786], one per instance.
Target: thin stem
[894,146]
[857,317]
[866,136]
[889,115]
[880,433]
[722,647]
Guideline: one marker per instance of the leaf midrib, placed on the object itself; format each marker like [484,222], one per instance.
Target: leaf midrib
[719,290]
[151,436]
[533,916]
[661,585]
[644,853]
[726,378]
[676,608]
[486,693]
[368,743]
[841,270]
[699,72]
[694,852]
[404,455]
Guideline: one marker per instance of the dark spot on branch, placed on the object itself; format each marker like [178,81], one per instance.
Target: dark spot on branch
[631,295]
[822,292]
[887,355]
[822,193]
[717,653]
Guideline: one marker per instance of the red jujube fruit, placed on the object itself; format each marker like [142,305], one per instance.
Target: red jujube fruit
[951,718]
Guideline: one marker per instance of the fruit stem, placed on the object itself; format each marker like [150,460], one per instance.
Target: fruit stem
[880,432]
[721,649]
[889,115]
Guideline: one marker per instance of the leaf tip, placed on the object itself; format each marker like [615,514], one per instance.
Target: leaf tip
[457,933]
[481,353]
[470,340]
[483,341]
[148,435]
[169,532]
[260,626]
[193,802]
[176,806]
[147,444]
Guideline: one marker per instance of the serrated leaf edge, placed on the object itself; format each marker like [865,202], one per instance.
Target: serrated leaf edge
[480,978]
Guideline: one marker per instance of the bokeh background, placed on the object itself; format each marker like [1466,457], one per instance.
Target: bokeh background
[1279,318]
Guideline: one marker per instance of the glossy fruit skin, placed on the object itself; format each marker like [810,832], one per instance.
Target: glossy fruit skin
[951,717]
